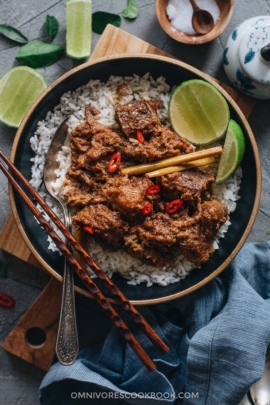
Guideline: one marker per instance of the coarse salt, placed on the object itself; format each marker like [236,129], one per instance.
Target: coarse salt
[180,13]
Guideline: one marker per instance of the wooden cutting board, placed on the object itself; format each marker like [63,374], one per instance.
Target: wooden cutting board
[44,312]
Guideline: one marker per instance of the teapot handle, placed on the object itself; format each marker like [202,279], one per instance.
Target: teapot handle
[265,52]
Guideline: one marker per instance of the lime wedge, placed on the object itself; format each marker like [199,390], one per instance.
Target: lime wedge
[19,88]
[234,148]
[79,28]
[198,112]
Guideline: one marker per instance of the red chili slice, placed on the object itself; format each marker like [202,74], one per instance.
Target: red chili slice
[6,301]
[87,229]
[153,189]
[114,162]
[140,136]
[173,206]
[147,209]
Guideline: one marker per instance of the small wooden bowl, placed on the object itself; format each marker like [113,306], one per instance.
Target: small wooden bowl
[226,10]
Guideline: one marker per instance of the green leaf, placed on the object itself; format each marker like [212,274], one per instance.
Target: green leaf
[52,26]
[100,19]
[13,34]
[3,269]
[131,11]
[38,54]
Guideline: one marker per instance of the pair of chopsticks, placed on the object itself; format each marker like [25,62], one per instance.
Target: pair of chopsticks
[89,283]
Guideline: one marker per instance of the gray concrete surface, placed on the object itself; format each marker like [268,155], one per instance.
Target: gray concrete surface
[19,381]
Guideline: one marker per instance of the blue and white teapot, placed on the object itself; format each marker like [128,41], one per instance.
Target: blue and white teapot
[246,57]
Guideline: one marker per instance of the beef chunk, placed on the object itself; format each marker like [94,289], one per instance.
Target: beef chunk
[151,241]
[79,144]
[94,126]
[213,214]
[99,145]
[83,177]
[94,140]
[127,194]
[78,193]
[113,202]
[157,230]
[195,246]
[165,144]
[87,129]
[103,144]
[196,242]
[82,130]
[156,104]
[139,116]
[189,184]
[97,169]
[138,249]
[108,227]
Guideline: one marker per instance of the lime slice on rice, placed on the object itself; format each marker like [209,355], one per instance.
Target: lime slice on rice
[19,88]
[234,149]
[198,112]
[79,28]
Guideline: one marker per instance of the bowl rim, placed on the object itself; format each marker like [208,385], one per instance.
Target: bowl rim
[240,114]
[174,33]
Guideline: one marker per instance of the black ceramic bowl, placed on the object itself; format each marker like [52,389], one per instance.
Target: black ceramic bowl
[175,72]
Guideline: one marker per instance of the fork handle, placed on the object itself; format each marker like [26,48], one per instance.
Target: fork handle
[67,344]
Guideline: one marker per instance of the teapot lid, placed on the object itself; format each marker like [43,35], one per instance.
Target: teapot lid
[254,51]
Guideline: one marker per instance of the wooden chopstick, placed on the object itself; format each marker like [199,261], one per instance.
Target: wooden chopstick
[81,272]
[110,285]
[90,284]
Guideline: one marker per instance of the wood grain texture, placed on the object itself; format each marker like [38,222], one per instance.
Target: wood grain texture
[12,242]
[245,103]
[43,314]
[116,41]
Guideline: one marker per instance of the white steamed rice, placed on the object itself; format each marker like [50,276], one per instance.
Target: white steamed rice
[103,97]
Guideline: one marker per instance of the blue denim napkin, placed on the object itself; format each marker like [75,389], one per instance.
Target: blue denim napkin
[218,338]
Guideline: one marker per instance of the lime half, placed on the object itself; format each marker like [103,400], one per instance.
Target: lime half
[79,28]
[19,88]
[234,148]
[199,112]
